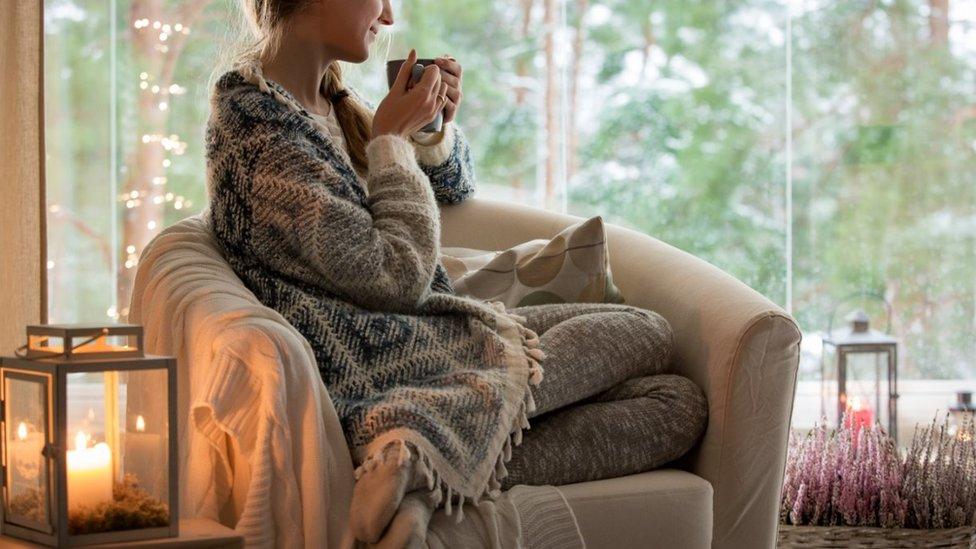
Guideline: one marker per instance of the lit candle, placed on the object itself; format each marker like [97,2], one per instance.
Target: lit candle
[89,472]
[142,456]
[25,454]
[859,415]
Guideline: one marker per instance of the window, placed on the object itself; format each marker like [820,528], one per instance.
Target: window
[820,151]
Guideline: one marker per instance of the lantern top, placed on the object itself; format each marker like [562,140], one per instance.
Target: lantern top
[84,341]
[859,321]
[964,402]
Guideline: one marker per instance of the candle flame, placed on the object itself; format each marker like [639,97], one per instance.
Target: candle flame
[81,440]
[22,431]
[140,424]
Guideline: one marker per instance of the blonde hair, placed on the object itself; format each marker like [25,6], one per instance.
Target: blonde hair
[267,21]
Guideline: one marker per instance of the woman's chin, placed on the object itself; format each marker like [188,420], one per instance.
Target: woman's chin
[358,56]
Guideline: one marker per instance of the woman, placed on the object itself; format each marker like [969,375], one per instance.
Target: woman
[328,212]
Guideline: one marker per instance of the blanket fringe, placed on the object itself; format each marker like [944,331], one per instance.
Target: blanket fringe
[439,490]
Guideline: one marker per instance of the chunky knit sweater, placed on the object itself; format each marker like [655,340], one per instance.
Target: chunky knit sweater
[352,262]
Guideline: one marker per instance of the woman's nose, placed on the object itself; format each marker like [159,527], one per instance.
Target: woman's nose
[386,17]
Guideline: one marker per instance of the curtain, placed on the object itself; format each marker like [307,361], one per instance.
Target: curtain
[22,221]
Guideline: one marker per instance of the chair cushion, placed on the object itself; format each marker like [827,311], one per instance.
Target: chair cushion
[571,267]
[662,508]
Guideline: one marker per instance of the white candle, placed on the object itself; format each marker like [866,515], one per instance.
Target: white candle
[89,473]
[142,457]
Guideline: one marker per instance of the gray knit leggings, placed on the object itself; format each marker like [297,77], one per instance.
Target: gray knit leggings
[606,406]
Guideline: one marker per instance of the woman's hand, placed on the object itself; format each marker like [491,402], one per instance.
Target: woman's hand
[404,111]
[451,75]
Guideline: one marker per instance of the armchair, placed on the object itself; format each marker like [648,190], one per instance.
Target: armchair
[738,346]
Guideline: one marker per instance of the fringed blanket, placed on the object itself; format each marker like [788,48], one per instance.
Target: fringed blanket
[353,264]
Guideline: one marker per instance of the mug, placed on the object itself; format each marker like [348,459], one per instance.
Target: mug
[393,67]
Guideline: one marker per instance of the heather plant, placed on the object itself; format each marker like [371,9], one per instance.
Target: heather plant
[855,476]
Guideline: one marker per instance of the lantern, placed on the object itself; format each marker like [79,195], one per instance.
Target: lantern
[89,437]
[961,416]
[860,375]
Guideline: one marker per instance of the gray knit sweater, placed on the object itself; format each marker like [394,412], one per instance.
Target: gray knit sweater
[351,261]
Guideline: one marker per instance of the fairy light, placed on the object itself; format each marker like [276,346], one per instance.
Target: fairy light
[163,33]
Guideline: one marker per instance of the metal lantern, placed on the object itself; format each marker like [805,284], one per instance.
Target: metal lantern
[860,375]
[89,437]
[962,415]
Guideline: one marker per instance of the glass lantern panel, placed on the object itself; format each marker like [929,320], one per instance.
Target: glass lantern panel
[867,388]
[28,494]
[828,386]
[962,425]
[118,458]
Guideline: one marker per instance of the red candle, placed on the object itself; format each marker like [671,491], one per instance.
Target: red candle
[858,415]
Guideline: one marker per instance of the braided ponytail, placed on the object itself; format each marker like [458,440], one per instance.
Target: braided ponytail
[354,118]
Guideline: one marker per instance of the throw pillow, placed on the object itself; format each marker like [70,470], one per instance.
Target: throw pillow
[572,267]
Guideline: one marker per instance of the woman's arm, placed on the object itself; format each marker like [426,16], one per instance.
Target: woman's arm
[382,257]
[446,159]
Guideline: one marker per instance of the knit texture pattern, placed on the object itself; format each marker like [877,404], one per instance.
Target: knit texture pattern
[352,263]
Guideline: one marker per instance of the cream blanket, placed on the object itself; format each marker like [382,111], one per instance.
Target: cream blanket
[246,375]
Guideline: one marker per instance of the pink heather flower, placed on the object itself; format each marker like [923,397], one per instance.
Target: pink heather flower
[856,476]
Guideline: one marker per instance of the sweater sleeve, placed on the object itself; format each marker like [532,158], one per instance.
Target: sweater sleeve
[446,162]
[448,165]
[382,257]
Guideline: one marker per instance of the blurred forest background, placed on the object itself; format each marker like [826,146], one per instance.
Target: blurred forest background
[816,150]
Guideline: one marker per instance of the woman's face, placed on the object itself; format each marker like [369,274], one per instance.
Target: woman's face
[346,27]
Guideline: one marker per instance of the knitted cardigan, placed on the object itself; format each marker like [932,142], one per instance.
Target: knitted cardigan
[352,262]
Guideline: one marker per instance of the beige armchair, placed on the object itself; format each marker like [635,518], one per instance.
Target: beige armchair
[737,345]
[742,349]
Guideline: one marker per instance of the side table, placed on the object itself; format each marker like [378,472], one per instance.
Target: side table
[194,533]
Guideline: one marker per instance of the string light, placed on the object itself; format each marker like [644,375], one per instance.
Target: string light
[171,143]
[164,32]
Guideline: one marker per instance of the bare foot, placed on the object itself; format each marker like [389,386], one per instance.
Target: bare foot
[408,529]
[379,491]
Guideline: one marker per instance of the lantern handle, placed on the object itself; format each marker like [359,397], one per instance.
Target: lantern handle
[860,293]
[21,351]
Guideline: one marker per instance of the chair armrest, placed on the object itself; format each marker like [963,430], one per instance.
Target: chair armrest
[738,346]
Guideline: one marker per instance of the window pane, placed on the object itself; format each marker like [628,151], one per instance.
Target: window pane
[125,99]
[78,138]
[883,179]
[679,128]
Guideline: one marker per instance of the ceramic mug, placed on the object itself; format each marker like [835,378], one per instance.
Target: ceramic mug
[393,67]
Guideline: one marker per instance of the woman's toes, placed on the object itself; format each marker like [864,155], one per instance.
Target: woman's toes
[408,529]
[377,495]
